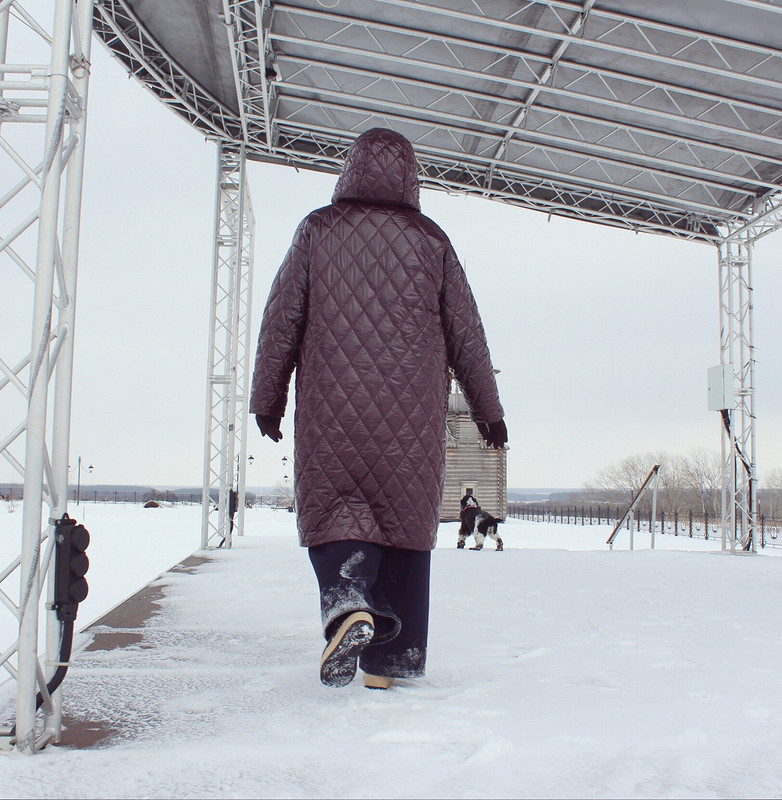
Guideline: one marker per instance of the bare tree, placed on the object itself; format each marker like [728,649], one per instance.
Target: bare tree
[284,491]
[673,482]
[622,480]
[773,494]
[9,501]
[704,478]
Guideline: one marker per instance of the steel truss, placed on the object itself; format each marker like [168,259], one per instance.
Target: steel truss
[228,374]
[737,350]
[739,475]
[43,116]
[557,106]
[116,24]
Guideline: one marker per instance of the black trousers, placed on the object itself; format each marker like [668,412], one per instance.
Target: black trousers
[392,585]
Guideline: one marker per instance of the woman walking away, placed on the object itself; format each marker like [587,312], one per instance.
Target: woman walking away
[371,307]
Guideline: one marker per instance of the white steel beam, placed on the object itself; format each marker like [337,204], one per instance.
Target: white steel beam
[41,210]
[614,84]
[564,160]
[666,152]
[710,154]
[144,58]
[308,144]
[545,77]
[646,50]
[677,188]
[252,64]
[739,481]
[766,219]
[227,402]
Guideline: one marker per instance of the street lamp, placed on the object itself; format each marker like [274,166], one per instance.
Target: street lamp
[78,479]
[286,483]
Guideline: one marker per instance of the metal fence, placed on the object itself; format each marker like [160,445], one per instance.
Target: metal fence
[688,523]
[693,524]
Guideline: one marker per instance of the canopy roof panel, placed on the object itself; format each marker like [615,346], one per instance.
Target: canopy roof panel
[663,116]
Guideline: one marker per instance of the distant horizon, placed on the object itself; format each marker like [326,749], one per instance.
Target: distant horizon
[169,487]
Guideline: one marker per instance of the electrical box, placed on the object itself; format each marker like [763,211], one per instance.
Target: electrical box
[720,387]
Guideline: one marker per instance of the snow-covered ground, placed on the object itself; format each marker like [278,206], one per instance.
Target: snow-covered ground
[556,669]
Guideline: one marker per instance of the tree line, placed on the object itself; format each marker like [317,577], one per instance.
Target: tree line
[691,482]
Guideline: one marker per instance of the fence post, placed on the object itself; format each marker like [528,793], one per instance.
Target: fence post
[706,526]
[690,523]
[676,523]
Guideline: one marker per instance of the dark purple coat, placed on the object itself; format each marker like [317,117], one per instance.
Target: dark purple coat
[371,307]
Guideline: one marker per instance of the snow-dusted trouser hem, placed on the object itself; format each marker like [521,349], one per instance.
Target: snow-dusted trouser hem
[390,583]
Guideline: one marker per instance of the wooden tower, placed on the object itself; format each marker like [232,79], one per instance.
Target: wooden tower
[470,466]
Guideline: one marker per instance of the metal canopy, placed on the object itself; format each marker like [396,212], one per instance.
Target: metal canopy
[663,117]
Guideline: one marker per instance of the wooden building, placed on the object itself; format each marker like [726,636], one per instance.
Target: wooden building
[470,466]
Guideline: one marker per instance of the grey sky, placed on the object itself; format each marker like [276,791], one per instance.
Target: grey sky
[602,337]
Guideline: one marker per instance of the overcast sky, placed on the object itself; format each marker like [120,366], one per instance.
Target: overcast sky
[602,337]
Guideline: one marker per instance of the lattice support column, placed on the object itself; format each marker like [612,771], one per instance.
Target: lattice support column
[228,373]
[739,495]
[43,115]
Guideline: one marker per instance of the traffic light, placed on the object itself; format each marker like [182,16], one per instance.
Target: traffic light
[70,567]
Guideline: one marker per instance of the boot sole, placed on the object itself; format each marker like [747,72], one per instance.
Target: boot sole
[339,661]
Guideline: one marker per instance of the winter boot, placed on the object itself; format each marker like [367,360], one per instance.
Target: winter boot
[340,656]
[377,681]
[499,543]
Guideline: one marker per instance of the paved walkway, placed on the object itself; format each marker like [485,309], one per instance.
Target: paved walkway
[124,626]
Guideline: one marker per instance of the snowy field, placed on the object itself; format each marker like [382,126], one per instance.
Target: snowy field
[556,669]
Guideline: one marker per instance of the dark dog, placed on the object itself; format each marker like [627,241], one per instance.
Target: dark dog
[475,521]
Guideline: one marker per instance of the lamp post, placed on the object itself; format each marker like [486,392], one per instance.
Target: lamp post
[288,492]
[78,479]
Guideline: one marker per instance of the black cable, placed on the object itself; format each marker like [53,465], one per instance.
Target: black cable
[747,468]
[66,644]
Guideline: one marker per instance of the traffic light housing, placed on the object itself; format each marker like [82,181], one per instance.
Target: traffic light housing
[70,567]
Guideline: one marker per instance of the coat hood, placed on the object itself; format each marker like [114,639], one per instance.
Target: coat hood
[380,167]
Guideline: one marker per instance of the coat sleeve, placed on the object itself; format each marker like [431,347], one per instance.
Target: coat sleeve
[282,329]
[465,341]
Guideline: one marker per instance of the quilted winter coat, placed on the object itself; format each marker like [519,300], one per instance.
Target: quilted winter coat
[371,307]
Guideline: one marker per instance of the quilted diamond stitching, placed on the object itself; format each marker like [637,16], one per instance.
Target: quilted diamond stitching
[387,308]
